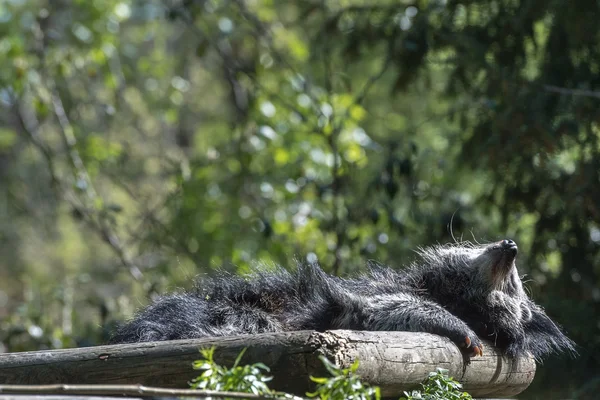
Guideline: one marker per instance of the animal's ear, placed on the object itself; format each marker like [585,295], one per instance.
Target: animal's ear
[526,311]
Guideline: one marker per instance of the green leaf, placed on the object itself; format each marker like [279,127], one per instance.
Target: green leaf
[8,138]
[239,357]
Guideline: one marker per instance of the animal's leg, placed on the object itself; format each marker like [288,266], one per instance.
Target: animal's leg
[405,312]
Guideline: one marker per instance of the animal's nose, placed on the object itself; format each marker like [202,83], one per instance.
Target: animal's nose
[508,244]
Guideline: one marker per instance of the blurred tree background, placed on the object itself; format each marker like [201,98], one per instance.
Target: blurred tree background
[143,143]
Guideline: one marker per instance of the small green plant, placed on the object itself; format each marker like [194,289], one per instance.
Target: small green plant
[245,379]
[439,386]
[343,384]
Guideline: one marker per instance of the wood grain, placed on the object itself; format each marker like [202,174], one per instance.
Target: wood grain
[395,361]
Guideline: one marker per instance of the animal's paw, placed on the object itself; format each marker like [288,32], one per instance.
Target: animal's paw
[466,340]
[472,345]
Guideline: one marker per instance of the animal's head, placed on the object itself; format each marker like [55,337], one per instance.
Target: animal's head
[493,263]
[496,263]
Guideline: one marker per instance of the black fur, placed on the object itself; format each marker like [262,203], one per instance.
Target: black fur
[461,291]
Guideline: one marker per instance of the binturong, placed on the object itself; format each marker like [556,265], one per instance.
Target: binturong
[468,293]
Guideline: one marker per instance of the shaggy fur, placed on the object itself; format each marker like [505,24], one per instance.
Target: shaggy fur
[462,291]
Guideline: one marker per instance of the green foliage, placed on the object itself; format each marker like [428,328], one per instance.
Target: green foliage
[146,142]
[439,386]
[243,379]
[343,384]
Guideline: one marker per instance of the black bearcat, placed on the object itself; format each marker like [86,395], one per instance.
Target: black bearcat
[462,291]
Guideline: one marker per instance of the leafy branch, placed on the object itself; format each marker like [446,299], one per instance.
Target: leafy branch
[91,208]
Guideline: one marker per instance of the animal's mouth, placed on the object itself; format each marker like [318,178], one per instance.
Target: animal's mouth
[504,254]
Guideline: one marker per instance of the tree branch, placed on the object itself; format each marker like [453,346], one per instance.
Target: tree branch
[134,390]
[572,92]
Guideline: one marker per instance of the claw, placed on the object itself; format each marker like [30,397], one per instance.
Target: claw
[467,342]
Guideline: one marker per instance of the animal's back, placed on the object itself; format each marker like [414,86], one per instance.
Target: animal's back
[267,301]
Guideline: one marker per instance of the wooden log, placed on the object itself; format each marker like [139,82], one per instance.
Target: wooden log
[395,361]
[62,397]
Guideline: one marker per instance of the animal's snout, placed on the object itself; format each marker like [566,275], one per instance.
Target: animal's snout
[510,245]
